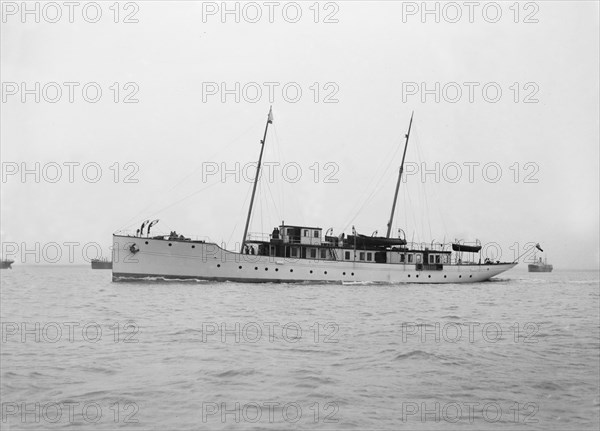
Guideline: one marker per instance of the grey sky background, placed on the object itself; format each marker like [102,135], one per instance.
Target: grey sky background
[172,134]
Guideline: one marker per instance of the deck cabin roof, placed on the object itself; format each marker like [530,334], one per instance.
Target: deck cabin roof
[300,227]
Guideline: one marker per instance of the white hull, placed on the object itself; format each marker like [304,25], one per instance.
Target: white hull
[158,258]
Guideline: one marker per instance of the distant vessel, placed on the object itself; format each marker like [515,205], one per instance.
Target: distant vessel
[6,264]
[294,253]
[540,266]
[101,264]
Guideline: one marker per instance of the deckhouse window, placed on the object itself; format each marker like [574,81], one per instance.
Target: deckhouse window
[431,258]
[316,234]
[347,255]
[294,251]
[323,253]
[410,258]
[402,258]
[313,253]
[305,232]
[362,255]
[369,257]
[437,259]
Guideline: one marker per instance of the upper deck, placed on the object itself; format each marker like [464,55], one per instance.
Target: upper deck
[304,242]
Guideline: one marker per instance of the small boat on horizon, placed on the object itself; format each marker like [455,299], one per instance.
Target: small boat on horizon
[539,266]
[102,263]
[6,264]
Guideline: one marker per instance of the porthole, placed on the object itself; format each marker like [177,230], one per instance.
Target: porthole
[429,276]
[352,274]
[445,276]
[408,275]
[311,271]
[460,276]
[325,272]
[218,265]
[343,273]
[146,242]
[417,275]
[256,268]
[240,267]
[193,246]
[471,276]
[266,269]
[170,244]
[291,270]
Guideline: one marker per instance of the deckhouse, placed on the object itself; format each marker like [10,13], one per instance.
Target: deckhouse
[305,242]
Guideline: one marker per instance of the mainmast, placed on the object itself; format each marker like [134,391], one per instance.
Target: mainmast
[262,147]
[389,225]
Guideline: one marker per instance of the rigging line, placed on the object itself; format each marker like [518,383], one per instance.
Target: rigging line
[418,208]
[389,159]
[425,210]
[257,213]
[229,144]
[279,161]
[380,183]
[260,211]
[267,181]
[183,199]
[241,211]
[421,206]
[376,189]
[365,203]
[269,205]
[410,208]
[230,236]
[174,203]
[271,209]
[253,212]
[412,212]
[272,198]
[442,218]
[373,178]
[404,213]
[435,195]
[428,213]
[262,227]
[373,193]
[424,189]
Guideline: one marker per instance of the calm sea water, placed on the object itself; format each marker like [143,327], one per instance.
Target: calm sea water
[521,352]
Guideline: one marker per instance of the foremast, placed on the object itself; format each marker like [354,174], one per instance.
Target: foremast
[262,148]
[389,225]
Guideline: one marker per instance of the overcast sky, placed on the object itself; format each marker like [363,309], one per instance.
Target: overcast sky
[528,156]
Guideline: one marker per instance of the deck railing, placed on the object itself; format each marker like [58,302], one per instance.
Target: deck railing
[164,235]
